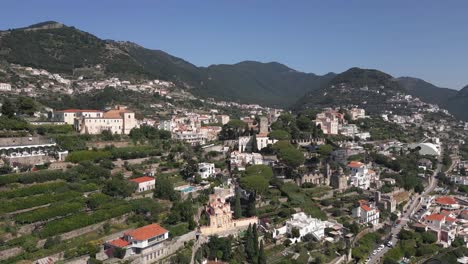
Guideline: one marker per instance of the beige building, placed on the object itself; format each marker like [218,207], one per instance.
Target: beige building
[68,116]
[118,121]
[220,216]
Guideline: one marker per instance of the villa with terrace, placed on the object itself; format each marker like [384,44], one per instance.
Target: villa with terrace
[30,150]
[137,241]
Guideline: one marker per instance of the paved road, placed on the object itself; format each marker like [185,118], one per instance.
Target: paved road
[411,208]
[396,229]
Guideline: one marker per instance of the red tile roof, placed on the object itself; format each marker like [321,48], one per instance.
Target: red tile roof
[445,212]
[447,200]
[450,219]
[355,164]
[435,217]
[142,179]
[147,232]
[116,113]
[118,242]
[362,202]
[366,208]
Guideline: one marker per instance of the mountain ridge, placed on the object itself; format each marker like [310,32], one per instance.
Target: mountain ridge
[64,49]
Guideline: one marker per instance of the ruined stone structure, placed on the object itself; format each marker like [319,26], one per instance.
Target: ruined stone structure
[220,216]
[339,180]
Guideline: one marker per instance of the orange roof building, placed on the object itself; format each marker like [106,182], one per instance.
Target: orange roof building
[447,203]
[435,217]
[142,179]
[138,241]
[355,164]
[119,242]
[446,200]
[144,183]
[147,232]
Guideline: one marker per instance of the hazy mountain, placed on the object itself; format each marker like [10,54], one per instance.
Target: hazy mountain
[426,91]
[454,101]
[458,104]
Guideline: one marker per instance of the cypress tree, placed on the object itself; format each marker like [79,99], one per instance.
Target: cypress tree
[261,254]
[237,206]
[255,238]
[254,143]
[249,245]
[251,210]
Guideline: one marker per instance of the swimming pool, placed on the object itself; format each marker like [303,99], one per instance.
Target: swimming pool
[188,189]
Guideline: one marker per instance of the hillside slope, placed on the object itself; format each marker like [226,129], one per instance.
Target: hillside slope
[366,88]
[456,102]
[62,49]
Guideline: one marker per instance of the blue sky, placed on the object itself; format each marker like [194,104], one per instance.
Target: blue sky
[425,39]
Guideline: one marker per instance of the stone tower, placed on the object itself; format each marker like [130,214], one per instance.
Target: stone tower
[339,180]
[263,125]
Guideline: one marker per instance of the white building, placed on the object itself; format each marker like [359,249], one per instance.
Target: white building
[427,148]
[144,183]
[138,241]
[329,121]
[191,137]
[206,170]
[366,213]
[166,125]
[305,225]
[361,176]
[349,130]
[223,119]
[240,160]
[245,143]
[357,113]
[5,87]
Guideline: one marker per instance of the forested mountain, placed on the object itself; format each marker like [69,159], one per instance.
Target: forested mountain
[69,51]
[62,49]
[366,88]
[454,101]
[265,83]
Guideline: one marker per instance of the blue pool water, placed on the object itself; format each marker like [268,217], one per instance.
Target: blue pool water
[188,189]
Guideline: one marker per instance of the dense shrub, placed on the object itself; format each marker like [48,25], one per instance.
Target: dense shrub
[88,155]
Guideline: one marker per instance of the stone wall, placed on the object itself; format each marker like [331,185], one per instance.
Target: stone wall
[103,144]
[164,249]
[9,253]
[236,226]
